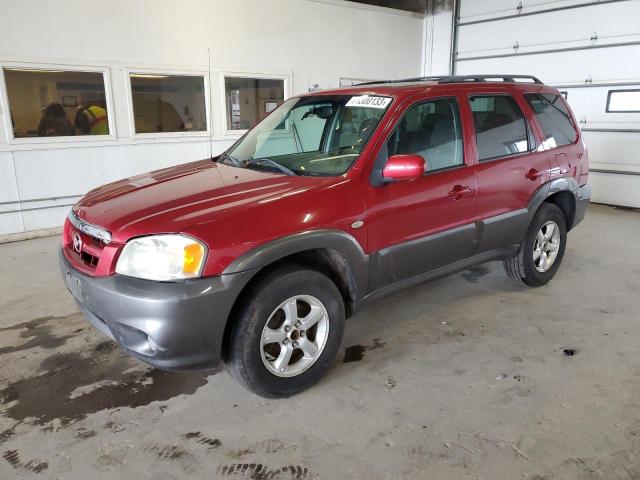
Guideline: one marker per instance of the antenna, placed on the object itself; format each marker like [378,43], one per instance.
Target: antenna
[210,110]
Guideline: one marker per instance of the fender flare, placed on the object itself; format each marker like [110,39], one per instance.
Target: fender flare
[565,184]
[325,239]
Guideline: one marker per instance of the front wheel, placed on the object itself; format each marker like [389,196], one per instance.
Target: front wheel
[287,334]
[541,252]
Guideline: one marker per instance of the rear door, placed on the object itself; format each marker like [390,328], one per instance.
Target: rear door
[510,167]
[415,227]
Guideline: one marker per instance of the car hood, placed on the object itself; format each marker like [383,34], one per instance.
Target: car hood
[173,199]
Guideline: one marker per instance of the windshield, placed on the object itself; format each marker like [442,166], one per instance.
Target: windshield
[314,135]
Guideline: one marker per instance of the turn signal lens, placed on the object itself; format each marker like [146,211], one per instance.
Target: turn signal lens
[193,255]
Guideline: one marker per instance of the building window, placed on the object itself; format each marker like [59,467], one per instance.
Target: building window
[501,129]
[55,103]
[249,100]
[624,101]
[168,103]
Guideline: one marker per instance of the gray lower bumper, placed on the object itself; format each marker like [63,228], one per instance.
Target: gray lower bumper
[171,326]
[583,197]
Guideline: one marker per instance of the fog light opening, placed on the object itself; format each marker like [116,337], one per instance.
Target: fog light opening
[152,345]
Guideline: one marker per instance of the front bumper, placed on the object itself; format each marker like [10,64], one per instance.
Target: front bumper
[583,197]
[172,326]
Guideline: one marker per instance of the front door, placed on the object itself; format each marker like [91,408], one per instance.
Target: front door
[418,226]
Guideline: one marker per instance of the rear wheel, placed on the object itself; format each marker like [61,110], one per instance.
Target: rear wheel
[287,334]
[541,252]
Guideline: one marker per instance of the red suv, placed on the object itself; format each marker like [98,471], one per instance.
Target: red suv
[257,256]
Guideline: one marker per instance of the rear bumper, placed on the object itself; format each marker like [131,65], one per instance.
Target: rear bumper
[172,326]
[583,197]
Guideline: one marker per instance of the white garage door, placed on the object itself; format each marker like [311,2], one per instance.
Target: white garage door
[588,49]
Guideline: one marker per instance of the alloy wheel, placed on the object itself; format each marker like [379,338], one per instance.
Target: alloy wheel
[294,336]
[547,244]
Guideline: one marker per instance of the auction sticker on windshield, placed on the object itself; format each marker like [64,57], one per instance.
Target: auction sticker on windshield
[368,101]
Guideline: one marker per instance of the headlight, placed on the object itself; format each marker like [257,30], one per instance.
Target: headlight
[162,258]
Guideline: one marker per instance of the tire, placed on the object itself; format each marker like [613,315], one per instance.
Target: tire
[257,365]
[523,267]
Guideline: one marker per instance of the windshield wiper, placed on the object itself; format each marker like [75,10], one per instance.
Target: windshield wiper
[271,163]
[227,159]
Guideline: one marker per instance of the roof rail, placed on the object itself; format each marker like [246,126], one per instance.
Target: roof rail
[500,77]
[403,80]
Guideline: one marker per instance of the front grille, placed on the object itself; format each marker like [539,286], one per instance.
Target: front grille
[89,259]
[89,251]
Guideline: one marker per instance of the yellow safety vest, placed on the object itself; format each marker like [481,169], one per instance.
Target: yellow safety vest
[98,120]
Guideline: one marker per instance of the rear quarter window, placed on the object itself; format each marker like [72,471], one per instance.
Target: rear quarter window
[554,118]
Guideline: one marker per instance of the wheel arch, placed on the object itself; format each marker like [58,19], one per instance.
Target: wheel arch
[566,201]
[336,254]
[560,192]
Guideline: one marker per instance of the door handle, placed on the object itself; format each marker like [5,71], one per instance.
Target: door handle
[533,174]
[459,191]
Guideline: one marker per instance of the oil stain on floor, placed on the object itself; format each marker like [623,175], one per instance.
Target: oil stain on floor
[355,353]
[69,386]
[39,334]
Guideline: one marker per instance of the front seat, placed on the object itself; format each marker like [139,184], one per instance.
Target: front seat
[442,146]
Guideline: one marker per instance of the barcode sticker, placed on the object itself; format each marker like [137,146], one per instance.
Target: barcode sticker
[368,101]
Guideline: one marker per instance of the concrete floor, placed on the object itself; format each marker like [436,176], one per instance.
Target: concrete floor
[461,378]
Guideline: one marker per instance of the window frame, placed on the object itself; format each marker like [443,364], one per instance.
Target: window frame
[460,120]
[531,138]
[285,77]
[170,73]
[610,92]
[5,106]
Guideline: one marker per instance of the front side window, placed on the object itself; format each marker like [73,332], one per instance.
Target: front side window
[54,103]
[431,130]
[249,100]
[313,135]
[501,129]
[168,103]
[554,118]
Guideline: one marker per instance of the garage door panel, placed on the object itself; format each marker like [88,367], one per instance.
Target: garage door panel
[613,150]
[615,64]
[611,23]
[616,189]
[473,10]
[589,104]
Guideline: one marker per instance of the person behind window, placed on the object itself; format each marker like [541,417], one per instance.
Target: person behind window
[54,122]
[92,120]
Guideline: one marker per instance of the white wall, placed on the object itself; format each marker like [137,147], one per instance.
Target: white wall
[303,41]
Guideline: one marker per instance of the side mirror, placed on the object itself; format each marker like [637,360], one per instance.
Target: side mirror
[402,168]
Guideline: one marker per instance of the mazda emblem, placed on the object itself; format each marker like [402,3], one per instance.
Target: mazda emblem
[77,243]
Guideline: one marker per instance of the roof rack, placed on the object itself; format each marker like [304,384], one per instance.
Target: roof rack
[500,77]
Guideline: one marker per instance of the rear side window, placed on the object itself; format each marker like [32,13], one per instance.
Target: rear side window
[501,129]
[432,130]
[554,118]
